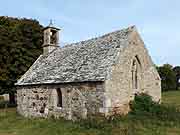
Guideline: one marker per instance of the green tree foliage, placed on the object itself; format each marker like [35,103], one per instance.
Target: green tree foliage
[20,46]
[168,77]
[176,69]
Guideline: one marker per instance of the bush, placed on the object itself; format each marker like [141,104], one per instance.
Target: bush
[143,105]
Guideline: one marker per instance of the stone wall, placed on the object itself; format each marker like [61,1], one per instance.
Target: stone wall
[78,100]
[82,99]
[119,89]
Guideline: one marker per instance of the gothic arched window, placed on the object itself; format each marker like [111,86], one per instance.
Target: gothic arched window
[136,69]
[134,75]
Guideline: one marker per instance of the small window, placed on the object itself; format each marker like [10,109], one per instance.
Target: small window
[135,75]
[59,97]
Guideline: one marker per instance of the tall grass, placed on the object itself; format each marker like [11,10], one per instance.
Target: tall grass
[146,118]
[144,113]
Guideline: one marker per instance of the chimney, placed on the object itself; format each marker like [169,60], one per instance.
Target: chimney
[51,39]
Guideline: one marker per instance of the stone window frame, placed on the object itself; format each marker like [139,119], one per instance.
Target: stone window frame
[136,70]
[56,98]
[59,98]
[135,84]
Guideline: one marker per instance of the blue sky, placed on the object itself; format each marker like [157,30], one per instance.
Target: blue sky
[158,21]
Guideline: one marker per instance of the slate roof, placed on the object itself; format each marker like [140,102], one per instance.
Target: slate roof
[89,60]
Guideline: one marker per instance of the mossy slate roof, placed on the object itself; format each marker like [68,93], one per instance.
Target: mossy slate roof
[89,60]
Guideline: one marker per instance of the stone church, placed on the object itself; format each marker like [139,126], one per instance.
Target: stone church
[95,76]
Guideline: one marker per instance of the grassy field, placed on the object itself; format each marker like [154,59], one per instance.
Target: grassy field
[13,124]
[171,97]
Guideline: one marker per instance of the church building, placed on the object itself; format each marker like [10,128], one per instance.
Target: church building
[95,76]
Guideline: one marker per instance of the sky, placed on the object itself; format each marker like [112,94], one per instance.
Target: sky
[157,21]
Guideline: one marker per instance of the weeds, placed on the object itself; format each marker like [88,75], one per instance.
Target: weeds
[146,117]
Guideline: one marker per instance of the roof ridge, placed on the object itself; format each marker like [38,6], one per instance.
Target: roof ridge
[128,29]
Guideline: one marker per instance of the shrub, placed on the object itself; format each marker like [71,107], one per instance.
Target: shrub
[143,105]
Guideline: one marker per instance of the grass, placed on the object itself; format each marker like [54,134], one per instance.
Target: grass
[171,98]
[13,124]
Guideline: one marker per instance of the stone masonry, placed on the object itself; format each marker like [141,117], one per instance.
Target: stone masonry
[96,76]
[79,100]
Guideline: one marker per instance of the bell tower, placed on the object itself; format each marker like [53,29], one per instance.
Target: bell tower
[51,38]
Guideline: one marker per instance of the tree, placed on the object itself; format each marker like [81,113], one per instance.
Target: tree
[168,77]
[20,46]
[176,69]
